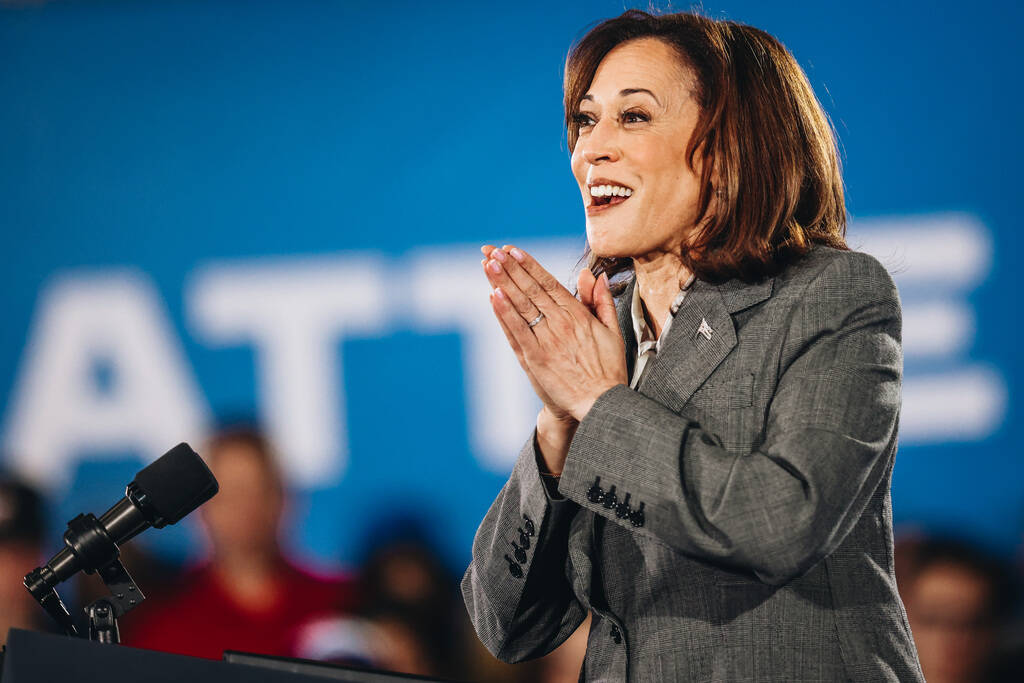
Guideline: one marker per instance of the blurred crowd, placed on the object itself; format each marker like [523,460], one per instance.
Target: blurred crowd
[401,609]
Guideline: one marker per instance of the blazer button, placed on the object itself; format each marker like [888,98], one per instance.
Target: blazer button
[616,634]
[596,493]
[524,539]
[610,499]
[622,509]
[513,568]
[519,553]
[530,528]
[637,516]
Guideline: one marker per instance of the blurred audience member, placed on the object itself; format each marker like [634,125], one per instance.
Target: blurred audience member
[958,600]
[22,531]
[411,618]
[408,619]
[411,598]
[248,596]
[418,624]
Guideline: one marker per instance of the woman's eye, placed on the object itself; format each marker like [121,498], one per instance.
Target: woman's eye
[585,120]
[581,119]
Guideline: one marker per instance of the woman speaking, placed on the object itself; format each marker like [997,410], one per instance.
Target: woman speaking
[709,476]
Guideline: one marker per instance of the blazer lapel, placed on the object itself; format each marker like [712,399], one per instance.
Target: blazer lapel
[623,308]
[701,336]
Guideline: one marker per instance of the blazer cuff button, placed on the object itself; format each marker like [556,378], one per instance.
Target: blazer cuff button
[622,509]
[519,553]
[637,516]
[610,499]
[513,567]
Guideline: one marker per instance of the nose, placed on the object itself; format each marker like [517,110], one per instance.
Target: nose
[601,144]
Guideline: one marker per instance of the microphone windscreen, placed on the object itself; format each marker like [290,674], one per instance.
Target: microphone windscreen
[176,483]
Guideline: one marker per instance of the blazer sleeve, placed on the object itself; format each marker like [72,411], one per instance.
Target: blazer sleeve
[829,437]
[516,589]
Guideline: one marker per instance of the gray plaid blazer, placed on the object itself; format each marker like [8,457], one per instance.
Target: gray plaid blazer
[729,520]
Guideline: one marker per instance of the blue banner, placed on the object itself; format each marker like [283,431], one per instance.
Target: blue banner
[274,209]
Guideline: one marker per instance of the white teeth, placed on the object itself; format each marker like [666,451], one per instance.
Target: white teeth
[609,190]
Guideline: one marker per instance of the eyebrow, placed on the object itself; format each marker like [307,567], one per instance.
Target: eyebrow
[627,91]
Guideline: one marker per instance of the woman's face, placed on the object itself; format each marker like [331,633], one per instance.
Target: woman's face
[635,123]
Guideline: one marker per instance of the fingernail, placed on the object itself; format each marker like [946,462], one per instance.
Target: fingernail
[483,262]
[494,266]
[499,254]
[604,276]
[516,254]
[500,294]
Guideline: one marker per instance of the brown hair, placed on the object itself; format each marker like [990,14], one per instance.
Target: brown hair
[767,149]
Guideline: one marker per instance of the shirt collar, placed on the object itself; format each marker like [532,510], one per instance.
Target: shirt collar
[644,334]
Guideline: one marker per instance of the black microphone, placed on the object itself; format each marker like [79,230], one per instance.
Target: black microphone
[162,493]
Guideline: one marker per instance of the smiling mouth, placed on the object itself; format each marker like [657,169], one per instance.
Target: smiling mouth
[607,201]
[599,205]
[605,194]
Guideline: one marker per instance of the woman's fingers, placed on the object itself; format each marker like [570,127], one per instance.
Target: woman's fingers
[497,276]
[538,292]
[570,355]
[520,335]
[585,286]
[604,303]
[541,393]
[543,288]
[532,290]
[516,348]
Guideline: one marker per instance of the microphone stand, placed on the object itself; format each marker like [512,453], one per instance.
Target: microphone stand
[89,542]
[104,612]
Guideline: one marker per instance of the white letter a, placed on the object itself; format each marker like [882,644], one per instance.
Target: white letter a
[101,373]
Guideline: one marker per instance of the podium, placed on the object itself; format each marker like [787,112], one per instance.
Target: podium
[44,658]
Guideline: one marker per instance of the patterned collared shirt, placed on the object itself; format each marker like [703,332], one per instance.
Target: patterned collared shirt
[646,345]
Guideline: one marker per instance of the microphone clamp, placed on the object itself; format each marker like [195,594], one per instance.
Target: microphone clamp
[96,552]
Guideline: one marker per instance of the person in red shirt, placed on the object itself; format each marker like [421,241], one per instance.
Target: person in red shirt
[248,596]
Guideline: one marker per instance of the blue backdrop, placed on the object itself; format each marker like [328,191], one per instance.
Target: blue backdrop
[215,208]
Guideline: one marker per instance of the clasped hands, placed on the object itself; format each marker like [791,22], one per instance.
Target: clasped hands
[575,352]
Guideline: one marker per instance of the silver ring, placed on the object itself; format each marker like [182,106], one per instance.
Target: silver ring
[536,320]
